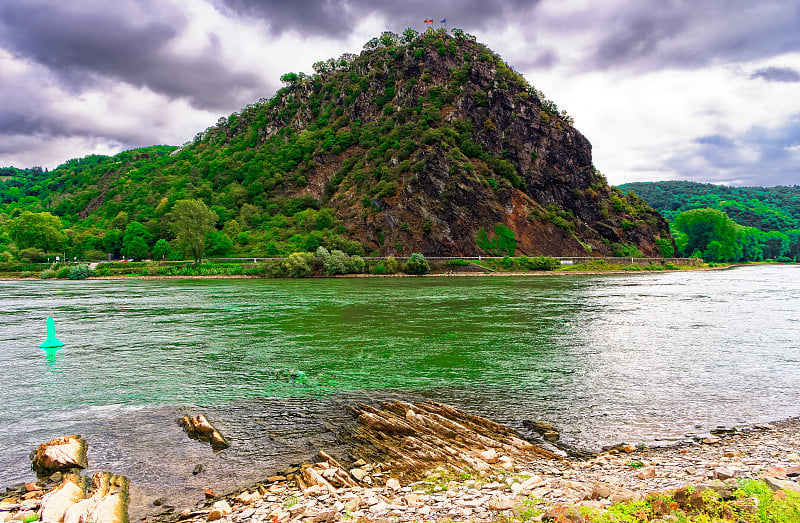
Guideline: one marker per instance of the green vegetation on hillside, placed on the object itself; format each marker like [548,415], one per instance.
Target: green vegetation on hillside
[366,156]
[720,223]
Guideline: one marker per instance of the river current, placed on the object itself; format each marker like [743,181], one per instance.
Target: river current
[274,363]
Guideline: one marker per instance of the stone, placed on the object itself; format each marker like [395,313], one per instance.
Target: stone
[502,503]
[782,484]
[58,455]
[327,516]
[506,463]
[645,473]
[724,473]
[563,515]
[107,504]
[56,502]
[413,500]
[393,484]
[25,515]
[489,456]
[774,472]
[313,490]
[532,482]
[353,504]
[199,428]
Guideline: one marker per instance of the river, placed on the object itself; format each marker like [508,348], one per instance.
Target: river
[273,363]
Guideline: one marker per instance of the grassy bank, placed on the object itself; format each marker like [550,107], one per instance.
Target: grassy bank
[305,265]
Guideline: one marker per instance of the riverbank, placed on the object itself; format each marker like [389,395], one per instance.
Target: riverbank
[647,484]
[444,464]
[591,269]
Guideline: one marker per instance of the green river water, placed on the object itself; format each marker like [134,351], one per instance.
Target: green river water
[641,357]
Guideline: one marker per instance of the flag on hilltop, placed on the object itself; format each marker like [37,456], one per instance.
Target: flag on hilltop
[444,21]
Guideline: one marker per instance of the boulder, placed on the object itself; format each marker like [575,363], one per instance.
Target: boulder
[782,484]
[199,428]
[489,456]
[61,454]
[502,503]
[56,502]
[107,504]
[219,510]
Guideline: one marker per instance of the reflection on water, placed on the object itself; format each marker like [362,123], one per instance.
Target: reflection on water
[272,363]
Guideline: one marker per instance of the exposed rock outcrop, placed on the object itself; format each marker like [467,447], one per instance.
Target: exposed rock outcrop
[199,428]
[60,454]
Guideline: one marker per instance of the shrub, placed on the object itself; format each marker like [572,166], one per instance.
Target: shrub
[392,265]
[355,265]
[79,272]
[46,274]
[298,264]
[539,263]
[417,264]
[32,254]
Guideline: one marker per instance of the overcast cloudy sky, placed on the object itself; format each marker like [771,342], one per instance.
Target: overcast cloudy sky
[704,90]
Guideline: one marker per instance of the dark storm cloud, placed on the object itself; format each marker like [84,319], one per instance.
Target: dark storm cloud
[336,18]
[86,43]
[761,156]
[647,35]
[777,74]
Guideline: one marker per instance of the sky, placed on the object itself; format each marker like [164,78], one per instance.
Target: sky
[700,90]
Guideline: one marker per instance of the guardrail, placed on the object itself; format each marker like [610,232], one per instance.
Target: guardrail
[575,260]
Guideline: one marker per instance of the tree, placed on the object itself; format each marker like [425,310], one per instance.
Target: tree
[409,35]
[136,233]
[161,250]
[190,221]
[39,230]
[698,228]
[112,242]
[137,248]
[218,243]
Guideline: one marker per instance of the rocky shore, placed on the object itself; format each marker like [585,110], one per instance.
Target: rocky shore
[430,462]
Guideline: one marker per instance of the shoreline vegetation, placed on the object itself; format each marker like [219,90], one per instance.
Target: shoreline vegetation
[309,265]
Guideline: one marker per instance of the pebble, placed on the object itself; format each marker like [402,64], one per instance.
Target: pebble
[557,486]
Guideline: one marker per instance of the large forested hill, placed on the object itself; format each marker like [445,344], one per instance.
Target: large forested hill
[422,143]
[765,208]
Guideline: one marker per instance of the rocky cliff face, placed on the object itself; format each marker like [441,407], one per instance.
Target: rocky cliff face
[455,152]
[429,143]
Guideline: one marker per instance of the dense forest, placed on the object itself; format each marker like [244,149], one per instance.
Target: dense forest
[422,143]
[722,223]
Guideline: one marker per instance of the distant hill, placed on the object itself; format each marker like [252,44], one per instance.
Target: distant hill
[422,143]
[765,208]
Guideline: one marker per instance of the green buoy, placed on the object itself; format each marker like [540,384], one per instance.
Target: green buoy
[51,342]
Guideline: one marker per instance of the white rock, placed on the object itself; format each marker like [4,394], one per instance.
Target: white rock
[489,456]
[56,502]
